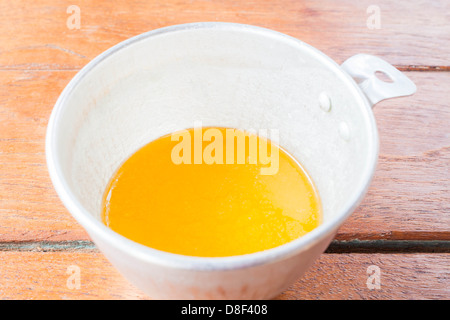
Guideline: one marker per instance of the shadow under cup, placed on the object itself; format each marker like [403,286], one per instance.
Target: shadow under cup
[220,75]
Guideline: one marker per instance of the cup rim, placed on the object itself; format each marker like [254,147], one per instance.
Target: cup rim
[98,230]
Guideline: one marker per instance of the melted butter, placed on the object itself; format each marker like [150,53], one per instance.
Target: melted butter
[209,210]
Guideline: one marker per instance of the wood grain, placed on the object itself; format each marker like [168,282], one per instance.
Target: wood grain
[402,276]
[41,275]
[44,275]
[409,197]
[29,206]
[413,33]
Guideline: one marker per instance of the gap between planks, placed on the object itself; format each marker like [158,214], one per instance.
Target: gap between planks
[336,246]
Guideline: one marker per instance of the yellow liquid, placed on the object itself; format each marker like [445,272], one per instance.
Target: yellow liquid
[209,210]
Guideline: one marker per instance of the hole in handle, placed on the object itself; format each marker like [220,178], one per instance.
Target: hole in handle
[383,76]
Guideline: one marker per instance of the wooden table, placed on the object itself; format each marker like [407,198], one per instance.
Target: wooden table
[402,226]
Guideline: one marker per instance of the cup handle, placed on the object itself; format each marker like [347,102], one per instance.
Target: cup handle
[362,68]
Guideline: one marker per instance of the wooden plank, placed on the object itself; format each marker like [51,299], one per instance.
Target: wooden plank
[41,275]
[408,199]
[411,34]
[402,276]
[45,275]
[29,206]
